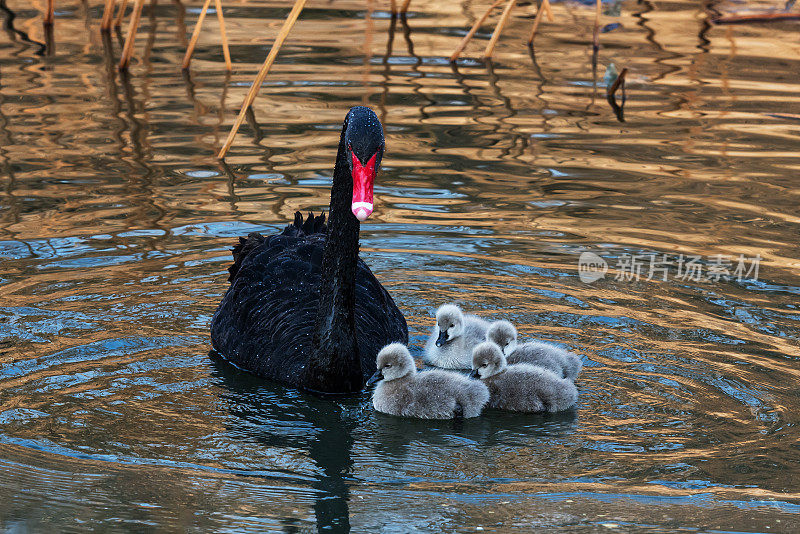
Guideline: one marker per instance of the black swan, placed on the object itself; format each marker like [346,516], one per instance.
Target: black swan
[302,307]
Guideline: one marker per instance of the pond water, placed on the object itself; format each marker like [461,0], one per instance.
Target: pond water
[116,222]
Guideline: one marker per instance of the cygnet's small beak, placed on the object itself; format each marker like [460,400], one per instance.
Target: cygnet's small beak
[474,374]
[374,378]
[442,338]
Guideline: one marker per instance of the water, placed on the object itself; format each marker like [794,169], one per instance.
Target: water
[116,222]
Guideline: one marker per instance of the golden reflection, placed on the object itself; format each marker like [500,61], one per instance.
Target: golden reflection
[116,224]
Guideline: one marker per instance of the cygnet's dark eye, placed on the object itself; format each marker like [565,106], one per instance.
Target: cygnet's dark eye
[387,366]
[451,326]
[484,365]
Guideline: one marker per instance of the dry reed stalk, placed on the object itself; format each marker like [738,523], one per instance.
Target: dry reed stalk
[467,38]
[549,8]
[108,13]
[273,53]
[619,81]
[50,14]
[404,7]
[500,24]
[187,57]
[120,14]
[544,7]
[596,33]
[225,51]
[127,50]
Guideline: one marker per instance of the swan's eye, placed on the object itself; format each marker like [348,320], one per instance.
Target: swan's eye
[387,366]
[452,325]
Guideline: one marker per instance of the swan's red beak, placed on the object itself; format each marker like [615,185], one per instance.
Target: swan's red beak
[363,178]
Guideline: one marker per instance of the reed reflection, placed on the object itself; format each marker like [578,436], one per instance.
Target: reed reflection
[180,23]
[14,206]
[13,33]
[234,198]
[505,123]
[49,42]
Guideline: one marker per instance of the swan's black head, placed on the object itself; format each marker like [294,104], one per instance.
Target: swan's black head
[363,138]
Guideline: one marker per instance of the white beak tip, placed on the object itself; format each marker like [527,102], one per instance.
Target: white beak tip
[362,210]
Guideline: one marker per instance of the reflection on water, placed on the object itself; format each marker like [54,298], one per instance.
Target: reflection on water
[279,419]
[116,223]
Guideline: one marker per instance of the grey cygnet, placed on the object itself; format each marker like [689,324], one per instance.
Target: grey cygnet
[453,338]
[433,394]
[521,387]
[561,362]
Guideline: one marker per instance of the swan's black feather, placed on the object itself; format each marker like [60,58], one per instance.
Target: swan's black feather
[265,322]
[298,228]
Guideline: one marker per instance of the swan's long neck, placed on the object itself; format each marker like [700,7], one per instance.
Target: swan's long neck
[335,365]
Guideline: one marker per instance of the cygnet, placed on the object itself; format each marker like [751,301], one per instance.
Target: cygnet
[433,394]
[561,362]
[521,387]
[453,338]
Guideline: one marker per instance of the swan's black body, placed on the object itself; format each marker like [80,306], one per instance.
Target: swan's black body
[304,313]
